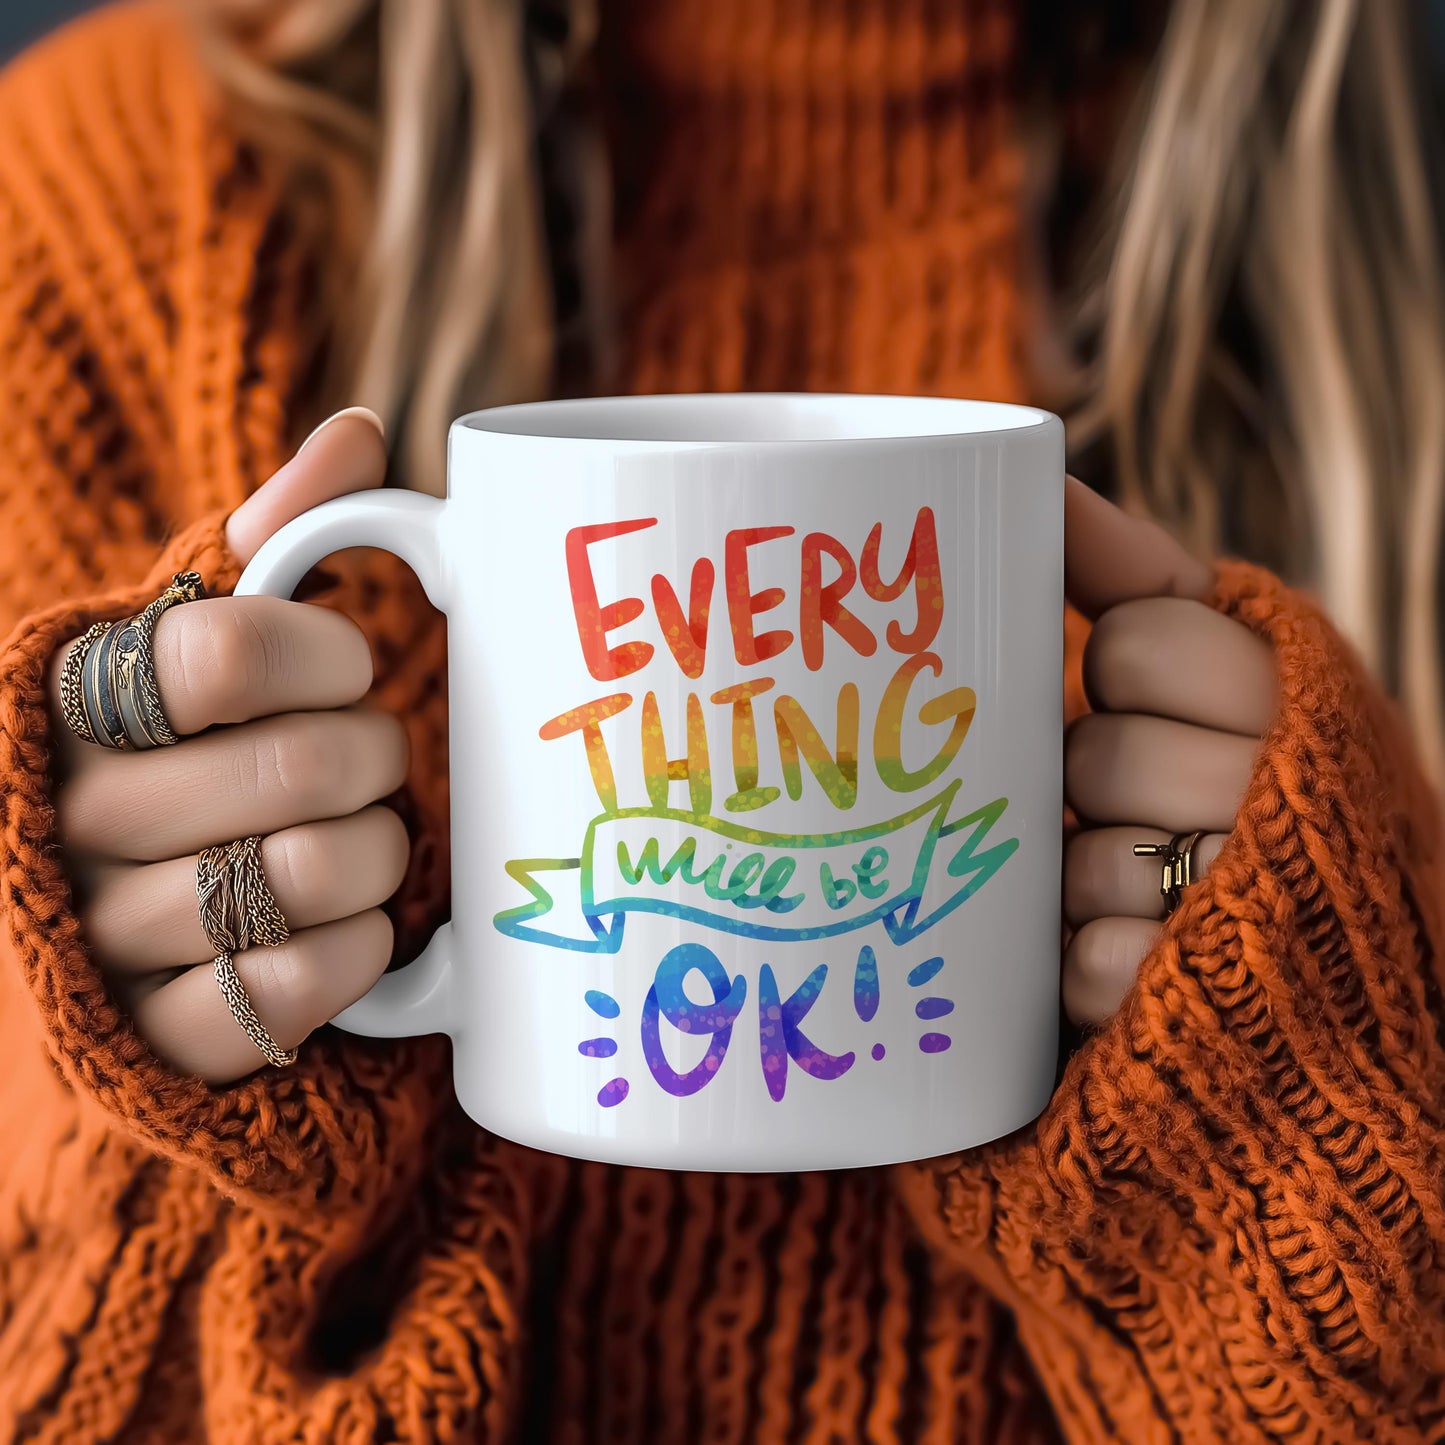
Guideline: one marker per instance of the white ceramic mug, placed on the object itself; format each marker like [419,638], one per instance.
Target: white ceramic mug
[755,771]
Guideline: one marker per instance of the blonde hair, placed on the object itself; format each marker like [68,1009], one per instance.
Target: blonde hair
[402,131]
[1276,169]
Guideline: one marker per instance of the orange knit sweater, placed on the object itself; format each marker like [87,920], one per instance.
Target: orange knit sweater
[1229,1224]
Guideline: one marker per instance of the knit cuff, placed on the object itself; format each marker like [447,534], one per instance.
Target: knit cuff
[1233,1208]
[310,1132]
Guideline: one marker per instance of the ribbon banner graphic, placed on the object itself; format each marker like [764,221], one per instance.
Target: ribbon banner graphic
[907,873]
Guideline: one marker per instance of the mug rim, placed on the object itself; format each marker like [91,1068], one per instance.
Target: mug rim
[583,420]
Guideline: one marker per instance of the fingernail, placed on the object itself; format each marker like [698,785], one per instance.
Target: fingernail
[365,413]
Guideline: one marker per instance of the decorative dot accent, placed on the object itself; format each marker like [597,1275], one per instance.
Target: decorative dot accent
[865,984]
[921,973]
[602,1004]
[879,1051]
[597,1048]
[934,1043]
[612,1093]
[933,1008]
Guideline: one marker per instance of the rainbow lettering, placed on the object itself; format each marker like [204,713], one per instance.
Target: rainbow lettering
[712,865]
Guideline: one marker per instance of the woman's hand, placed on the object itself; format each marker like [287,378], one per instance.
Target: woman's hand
[1181,697]
[264,694]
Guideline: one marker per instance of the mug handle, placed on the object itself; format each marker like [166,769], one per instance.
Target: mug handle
[411,1000]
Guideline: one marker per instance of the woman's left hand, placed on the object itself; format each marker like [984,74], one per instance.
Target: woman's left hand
[1181,697]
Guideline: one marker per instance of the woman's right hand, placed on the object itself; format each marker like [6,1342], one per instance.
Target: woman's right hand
[265,695]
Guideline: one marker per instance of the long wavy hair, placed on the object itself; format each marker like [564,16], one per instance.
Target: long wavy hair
[1259,335]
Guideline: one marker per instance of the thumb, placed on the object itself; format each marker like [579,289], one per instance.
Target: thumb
[346,453]
[1112,557]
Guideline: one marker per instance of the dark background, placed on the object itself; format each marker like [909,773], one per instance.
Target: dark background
[23,20]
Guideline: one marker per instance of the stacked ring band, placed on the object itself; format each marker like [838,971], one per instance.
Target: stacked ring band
[1176,870]
[237,906]
[76,717]
[108,689]
[239,1002]
[237,910]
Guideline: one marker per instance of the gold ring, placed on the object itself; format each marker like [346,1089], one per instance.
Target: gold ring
[95,689]
[239,1002]
[72,705]
[1176,871]
[108,689]
[236,904]
[146,721]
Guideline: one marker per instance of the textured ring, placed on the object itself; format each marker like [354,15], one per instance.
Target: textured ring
[72,704]
[127,670]
[239,1002]
[96,694]
[1176,859]
[236,904]
[116,674]
[185,587]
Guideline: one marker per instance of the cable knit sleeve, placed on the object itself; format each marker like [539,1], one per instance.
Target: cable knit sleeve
[1229,1224]
[316,1131]
[145,366]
